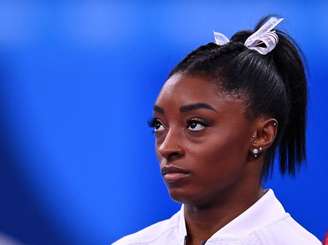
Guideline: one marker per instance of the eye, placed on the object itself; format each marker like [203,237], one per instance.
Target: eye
[156,125]
[196,124]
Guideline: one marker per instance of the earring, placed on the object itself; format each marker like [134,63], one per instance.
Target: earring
[257,151]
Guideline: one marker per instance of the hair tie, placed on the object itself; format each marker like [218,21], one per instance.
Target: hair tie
[264,35]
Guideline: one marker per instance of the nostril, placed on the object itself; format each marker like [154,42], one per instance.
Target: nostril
[173,156]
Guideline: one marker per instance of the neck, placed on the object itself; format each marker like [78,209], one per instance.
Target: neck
[203,221]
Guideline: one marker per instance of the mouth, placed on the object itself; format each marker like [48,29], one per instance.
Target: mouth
[173,174]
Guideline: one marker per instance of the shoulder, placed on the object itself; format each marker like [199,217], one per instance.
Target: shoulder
[150,234]
[286,231]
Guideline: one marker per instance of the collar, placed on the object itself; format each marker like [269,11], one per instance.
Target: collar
[264,211]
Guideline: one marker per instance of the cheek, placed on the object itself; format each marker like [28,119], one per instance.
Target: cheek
[220,159]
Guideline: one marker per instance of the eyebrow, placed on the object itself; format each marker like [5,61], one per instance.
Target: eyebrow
[196,106]
[158,109]
[187,108]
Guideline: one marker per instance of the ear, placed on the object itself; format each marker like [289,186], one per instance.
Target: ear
[265,132]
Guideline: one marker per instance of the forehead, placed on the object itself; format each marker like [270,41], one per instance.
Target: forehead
[182,89]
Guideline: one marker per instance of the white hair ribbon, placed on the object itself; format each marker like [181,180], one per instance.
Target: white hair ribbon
[220,39]
[264,35]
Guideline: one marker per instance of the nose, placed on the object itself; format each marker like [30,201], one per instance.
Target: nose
[170,148]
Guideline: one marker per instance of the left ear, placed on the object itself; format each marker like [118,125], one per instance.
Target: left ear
[265,132]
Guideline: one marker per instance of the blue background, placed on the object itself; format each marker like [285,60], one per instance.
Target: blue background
[78,80]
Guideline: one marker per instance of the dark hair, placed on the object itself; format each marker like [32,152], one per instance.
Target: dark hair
[274,85]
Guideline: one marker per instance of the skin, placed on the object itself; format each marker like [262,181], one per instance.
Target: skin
[206,132]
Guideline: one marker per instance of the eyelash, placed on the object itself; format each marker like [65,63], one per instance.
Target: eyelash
[199,121]
[154,122]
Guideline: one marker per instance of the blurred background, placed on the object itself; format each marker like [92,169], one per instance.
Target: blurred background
[78,81]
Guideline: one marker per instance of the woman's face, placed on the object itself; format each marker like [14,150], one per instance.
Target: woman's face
[202,139]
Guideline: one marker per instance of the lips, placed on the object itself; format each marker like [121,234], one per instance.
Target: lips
[173,174]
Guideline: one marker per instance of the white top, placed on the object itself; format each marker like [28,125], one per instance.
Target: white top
[264,223]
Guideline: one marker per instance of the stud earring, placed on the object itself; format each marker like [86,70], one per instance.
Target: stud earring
[257,151]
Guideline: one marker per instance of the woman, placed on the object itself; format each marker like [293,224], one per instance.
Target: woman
[221,116]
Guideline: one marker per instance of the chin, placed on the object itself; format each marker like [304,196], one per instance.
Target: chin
[184,196]
[180,194]
[198,198]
